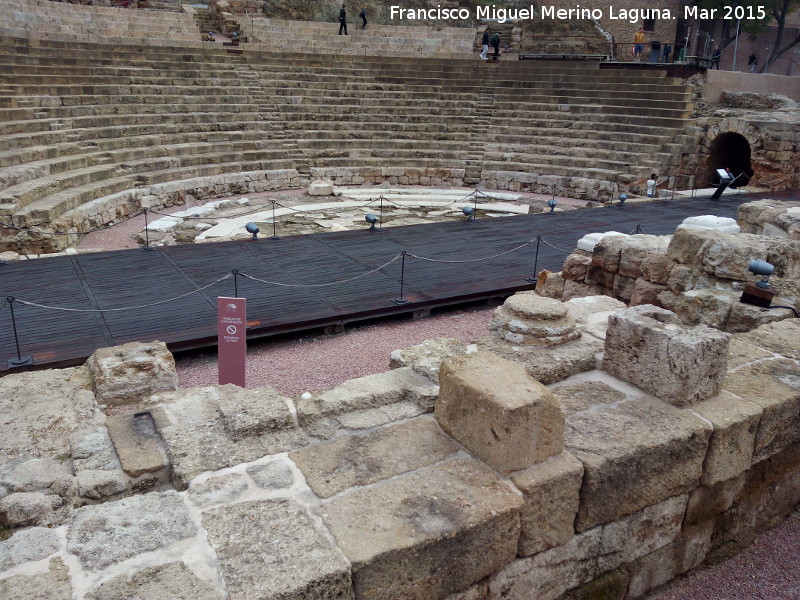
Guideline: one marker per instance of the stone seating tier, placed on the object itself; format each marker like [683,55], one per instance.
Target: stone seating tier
[77,125]
[47,19]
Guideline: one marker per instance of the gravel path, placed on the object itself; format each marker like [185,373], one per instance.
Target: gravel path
[311,363]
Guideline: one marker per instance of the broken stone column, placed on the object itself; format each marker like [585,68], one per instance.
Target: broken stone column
[533,320]
[129,373]
[500,413]
[648,347]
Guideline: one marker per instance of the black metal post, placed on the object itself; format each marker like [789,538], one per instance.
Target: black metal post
[274,224]
[475,206]
[235,283]
[402,300]
[20,361]
[380,218]
[147,245]
[534,279]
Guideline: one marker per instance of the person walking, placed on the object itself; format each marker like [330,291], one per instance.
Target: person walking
[494,41]
[716,56]
[652,184]
[342,21]
[752,61]
[485,44]
[665,53]
[363,15]
[638,44]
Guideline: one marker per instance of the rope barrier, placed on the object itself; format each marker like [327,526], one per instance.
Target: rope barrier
[317,285]
[528,243]
[103,310]
[546,243]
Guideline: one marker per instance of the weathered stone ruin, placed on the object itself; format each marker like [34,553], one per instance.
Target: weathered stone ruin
[698,273]
[582,446]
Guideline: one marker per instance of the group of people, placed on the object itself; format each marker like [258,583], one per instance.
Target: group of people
[492,40]
[343,19]
[637,50]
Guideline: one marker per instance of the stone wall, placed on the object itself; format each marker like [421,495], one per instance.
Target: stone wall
[718,82]
[589,483]
[698,273]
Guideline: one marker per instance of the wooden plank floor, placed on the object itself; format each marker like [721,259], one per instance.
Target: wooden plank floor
[128,278]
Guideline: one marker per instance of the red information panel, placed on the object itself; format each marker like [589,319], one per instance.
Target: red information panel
[231,340]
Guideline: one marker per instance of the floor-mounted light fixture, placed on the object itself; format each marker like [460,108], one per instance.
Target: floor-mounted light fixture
[252,228]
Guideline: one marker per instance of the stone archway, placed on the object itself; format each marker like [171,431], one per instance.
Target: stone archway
[730,150]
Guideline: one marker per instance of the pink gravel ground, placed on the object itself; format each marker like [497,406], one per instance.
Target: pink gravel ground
[767,570]
[313,363]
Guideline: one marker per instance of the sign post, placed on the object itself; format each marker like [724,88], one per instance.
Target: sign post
[231,340]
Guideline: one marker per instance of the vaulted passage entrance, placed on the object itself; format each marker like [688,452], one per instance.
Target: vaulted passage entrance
[730,151]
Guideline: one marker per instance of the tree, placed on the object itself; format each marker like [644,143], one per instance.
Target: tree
[775,13]
[779,10]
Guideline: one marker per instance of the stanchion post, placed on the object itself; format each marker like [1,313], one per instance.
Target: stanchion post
[534,279]
[147,245]
[235,273]
[399,301]
[20,361]
[274,235]
[380,218]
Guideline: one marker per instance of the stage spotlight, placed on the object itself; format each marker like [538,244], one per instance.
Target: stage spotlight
[622,198]
[371,219]
[763,268]
[252,228]
[760,294]
[552,204]
[469,212]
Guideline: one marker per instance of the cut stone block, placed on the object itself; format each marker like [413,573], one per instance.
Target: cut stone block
[576,397]
[608,251]
[195,437]
[173,581]
[272,475]
[367,399]
[551,493]
[547,575]
[217,490]
[32,475]
[530,319]
[635,454]
[137,444]
[640,533]
[92,449]
[657,568]
[253,412]
[278,538]
[582,309]
[427,357]
[53,585]
[547,364]
[96,484]
[33,543]
[363,459]
[550,285]
[132,372]
[320,188]
[499,412]
[426,534]
[637,249]
[647,346]
[708,502]
[711,222]
[27,508]
[105,534]
[730,450]
[774,385]
[575,266]
[780,338]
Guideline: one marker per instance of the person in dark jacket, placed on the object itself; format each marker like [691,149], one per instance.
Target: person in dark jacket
[495,43]
[485,44]
[342,21]
[363,15]
[715,58]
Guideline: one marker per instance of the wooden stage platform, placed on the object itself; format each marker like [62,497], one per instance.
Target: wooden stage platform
[128,278]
